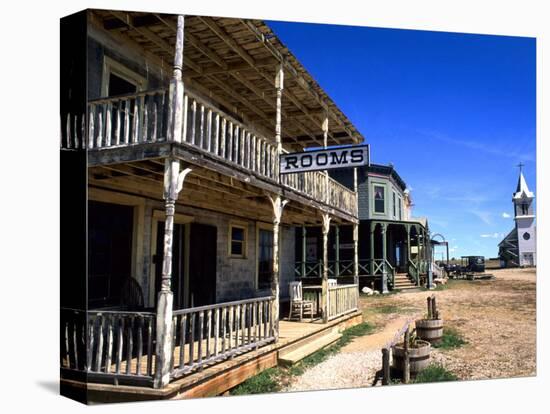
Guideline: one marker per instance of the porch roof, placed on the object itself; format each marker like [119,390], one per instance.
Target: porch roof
[234,62]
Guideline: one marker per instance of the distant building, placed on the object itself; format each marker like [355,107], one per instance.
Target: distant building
[519,247]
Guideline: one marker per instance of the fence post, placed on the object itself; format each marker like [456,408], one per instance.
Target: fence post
[406,362]
[385,366]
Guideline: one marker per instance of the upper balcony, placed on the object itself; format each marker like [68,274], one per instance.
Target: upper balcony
[230,102]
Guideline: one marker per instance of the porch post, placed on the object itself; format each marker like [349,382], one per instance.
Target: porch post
[408,229]
[356,254]
[173,182]
[383,228]
[324,282]
[278,205]
[279,85]
[337,252]
[429,258]
[325,144]
[372,226]
[304,239]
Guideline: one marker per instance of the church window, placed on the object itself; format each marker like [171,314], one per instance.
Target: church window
[526,236]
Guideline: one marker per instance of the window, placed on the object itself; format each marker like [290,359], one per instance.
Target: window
[379,199]
[265,258]
[526,236]
[524,209]
[119,80]
[400,202]
[394,205]
[237,241]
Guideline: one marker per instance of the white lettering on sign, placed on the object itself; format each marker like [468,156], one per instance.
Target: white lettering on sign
[325,159]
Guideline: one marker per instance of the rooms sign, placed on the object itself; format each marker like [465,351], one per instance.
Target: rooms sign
[325,159]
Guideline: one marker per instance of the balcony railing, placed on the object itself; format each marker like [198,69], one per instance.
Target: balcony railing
[142,118]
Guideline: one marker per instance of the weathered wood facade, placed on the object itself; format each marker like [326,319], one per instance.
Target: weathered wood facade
[191,228]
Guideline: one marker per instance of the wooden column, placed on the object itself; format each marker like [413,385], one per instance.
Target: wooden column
[278,205]
[304,257]
[279,85]
[356,254]
[408,229]
[372,226]
[325,144]
[173,182]
[337,252]
[428,258]
[383,229]
[324,282]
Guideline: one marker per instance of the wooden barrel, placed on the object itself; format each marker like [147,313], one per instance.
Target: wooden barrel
[430,330]
[419,356]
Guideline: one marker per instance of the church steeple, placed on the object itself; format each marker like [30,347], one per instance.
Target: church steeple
[522,190]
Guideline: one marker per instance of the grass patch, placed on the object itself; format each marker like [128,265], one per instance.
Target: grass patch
[451,339]
[271,379]
[434,373]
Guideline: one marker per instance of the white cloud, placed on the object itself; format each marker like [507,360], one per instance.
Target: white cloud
[506,215]
[490,236]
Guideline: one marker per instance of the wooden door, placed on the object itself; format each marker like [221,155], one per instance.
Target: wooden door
[202,264]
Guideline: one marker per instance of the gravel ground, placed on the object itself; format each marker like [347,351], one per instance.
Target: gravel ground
[496,317]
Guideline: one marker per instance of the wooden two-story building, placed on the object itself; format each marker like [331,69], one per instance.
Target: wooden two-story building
[178,233]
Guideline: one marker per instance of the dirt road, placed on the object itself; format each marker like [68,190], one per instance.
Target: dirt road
[496,317]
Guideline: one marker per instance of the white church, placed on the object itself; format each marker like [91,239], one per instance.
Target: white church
[519,247]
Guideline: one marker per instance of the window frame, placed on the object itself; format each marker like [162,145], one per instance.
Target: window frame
[112,66]
[267,227]
[383,187]
[244,228]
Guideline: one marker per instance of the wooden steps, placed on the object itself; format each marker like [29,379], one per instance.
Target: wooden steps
[307,346]
[402,282]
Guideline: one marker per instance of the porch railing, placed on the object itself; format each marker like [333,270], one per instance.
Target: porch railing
[109,345]
[315,269]
[413,272]
[212,333]
[342,299]
[142,118]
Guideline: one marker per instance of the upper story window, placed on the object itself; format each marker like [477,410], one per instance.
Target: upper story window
[400,203]
[379,199]
[524,209]
[237,240]
[394,205]
[120,80]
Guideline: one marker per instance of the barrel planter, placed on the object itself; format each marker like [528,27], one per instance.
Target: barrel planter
[430,330]
[419,356]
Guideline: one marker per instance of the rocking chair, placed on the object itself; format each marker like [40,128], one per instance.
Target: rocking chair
[297,303]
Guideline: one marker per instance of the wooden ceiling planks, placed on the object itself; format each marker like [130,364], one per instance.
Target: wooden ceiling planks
[236,60]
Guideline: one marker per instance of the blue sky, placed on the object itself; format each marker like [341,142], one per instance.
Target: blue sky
[455,113]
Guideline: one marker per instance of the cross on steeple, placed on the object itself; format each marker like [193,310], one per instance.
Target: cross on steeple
[520,166]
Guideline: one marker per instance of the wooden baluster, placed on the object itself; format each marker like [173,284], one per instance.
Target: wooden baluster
[222,141]
[120,343]
[91,127]
[162,113]
[145,128]
[253,153]
[68,131]
[108,114]
[229,152]
[66,341]
[126,121]
[135,124]
[230,339]
[91,340]
[209,130]
[241,147]
[201,129]
[183,327]
[201,332]
[192,339]
[75,343]
[216,136]
[109,356]
[117,127]
[243,324]
[129,344]
[208,331]
[193,137]
[236,141]
[83,131]
[75,131]
[237,324]
[99,138]
[260,320]
[184,137]
[249,321]
[150,351]
[154,123]
[216,330]
[224,326]
[140,344]
[99,343]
